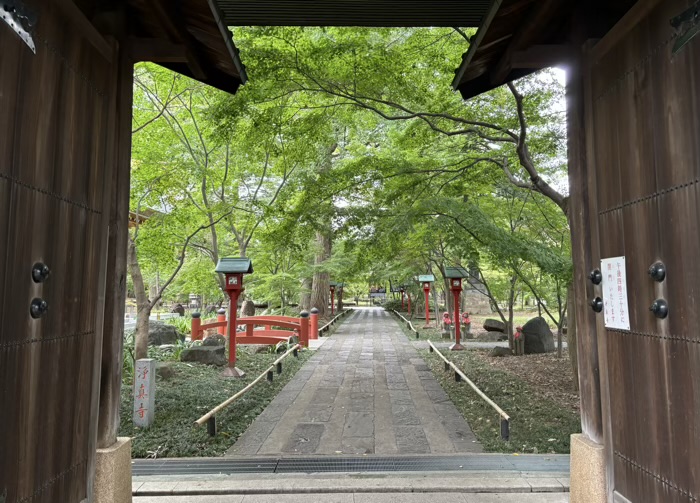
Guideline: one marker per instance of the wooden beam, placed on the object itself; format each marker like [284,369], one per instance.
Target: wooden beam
[474,45]
[631,19]
[175,29]
[228,40]
[118,234]
[530,28]
[85,28]
[157,50]
[541,56]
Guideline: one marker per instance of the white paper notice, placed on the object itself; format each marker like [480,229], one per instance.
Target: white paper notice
[615,293]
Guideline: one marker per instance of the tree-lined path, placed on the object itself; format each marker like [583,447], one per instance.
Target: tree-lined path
[365,391]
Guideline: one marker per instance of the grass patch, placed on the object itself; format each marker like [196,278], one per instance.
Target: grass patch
[193,391]
[537,424]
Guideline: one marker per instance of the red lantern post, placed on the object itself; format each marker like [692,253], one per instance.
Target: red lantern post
[426,291]
[455,275]
[456,287]
[233,269]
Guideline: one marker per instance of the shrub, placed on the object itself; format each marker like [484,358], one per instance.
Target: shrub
[392,304]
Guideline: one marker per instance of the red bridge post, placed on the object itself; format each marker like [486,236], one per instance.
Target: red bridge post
[313,321]
[304,329]
[195,335]
[221,316]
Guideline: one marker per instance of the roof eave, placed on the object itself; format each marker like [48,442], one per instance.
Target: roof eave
[228,40]
[476,42]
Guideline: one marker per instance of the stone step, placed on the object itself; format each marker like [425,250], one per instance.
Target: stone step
[352,483]
[364,498]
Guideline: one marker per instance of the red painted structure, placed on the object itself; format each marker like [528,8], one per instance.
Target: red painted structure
[313,324]
[267,335]
[426,291]
[221,316]
[233,269]
[456,287]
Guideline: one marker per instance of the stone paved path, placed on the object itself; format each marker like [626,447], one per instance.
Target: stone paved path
[365,391]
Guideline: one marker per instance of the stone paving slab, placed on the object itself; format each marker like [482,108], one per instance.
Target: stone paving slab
[366,390]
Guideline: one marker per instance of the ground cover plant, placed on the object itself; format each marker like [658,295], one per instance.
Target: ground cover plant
[190,393]
[542,420]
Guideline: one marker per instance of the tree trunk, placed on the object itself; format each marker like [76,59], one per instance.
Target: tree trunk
[320,286]
[339,306]
[143,305]
[305,296]
[511,302]
[571,332]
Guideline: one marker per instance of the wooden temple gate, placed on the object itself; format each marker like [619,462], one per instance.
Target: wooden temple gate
[65,145]
[65,123]
[56,127]
[643,142]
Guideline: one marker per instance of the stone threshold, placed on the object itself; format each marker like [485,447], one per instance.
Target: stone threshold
[406,482]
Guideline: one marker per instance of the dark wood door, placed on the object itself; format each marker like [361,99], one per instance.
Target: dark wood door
[54,108]
[643,129]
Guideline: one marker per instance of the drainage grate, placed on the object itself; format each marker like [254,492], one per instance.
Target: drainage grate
[473,462]
[202,466]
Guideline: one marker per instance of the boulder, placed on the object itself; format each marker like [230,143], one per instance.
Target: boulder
[538,336]
[179,309]
[499,351]
[165,371]
[491,325]
[207,355]
[214,340]
[491,336]
[161,333]
[248,308]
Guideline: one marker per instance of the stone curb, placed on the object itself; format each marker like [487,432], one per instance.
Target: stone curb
[358,484]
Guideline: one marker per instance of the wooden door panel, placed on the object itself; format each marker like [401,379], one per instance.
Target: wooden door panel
[52,172]
[646,132]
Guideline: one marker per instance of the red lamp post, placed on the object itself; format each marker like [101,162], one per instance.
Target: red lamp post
[426,280]
[233,269]
[455,275]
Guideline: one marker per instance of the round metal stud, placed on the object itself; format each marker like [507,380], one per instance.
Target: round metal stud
[659,308]
[38,308]
[657,271]
[40,272]
[595,276]
[597,305]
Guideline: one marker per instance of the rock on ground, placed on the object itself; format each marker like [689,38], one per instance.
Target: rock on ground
[492,325]
[499,351]
[492,337]
[165,370]
[207,355]
[161,333]
[214,340]
[538,337]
